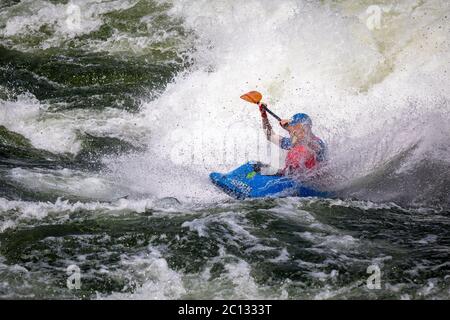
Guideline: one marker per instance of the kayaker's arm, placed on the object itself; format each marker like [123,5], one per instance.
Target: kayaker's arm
[270,134]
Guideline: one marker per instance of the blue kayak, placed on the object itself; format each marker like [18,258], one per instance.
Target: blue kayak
[246,182]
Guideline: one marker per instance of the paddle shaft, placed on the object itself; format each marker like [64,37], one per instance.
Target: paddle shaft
[271,113]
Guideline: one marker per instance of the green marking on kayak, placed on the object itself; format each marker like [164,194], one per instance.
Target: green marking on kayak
[251,175]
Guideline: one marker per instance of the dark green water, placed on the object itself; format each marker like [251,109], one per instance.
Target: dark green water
[87,113]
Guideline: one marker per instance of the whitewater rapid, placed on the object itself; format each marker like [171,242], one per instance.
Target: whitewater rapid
[373,94]
[113,113]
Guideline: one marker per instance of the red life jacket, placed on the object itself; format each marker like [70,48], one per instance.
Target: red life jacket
[299,157]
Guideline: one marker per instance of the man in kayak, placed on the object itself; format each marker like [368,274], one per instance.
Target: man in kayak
[305,150]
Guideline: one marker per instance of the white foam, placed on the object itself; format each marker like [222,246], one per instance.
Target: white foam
[160,281]
[332,241]
[244,284]
[197,226]
[67,182]
[57,131]
[284,256]
[430,238]
[67,21]
[57,25]
[16,212]
[234,221]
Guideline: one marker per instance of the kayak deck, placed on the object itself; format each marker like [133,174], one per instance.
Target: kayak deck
[244,182]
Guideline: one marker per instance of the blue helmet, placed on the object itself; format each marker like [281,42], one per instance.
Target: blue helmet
[302,118]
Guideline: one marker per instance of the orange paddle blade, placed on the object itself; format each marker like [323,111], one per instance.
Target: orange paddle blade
[252,96]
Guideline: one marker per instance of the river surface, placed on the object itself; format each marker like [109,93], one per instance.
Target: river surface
[114,112]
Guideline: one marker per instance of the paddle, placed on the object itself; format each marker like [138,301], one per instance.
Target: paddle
[255,97]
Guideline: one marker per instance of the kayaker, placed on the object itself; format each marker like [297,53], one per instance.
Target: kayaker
[305,150]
